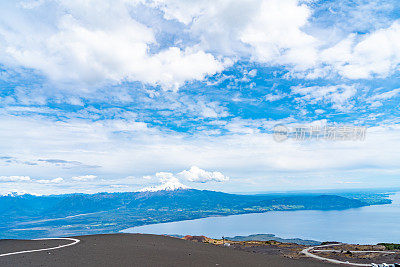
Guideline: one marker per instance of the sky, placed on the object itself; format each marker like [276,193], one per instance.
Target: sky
[125,94]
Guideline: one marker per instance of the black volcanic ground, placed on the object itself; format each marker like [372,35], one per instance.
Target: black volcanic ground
[139,250]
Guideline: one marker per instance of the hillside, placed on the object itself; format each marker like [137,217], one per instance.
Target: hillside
[34,216]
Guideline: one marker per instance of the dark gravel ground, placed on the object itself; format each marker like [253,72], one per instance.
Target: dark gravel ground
[139,250]
[7,246]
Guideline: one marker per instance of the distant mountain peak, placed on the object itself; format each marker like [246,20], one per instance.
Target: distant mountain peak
[16,194]
[168,185]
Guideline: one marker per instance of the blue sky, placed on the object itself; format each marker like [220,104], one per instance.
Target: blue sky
[118,95]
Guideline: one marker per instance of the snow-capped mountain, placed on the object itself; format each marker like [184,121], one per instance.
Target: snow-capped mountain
[15,193]
[168,185]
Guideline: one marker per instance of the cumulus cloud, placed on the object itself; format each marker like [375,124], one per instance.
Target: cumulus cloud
[76,46]
[84,178]
[275,34]
[14,178]
[197,175]
[362,57]
[268,31]
[169,44]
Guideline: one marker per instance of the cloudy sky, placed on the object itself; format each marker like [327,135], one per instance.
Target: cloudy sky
[117,95]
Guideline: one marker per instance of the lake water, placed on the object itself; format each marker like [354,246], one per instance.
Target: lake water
[366,225]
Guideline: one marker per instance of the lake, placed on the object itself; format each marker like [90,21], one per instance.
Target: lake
[366,225]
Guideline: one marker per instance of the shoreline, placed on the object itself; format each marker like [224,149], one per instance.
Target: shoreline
[207,222]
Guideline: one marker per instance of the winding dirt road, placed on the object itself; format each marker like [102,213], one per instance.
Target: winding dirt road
[307,252]
[74,242]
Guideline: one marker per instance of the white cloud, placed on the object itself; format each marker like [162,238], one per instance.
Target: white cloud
[249,127]
[253,157]
[274,97]
[50,181]
[97,42]
[84,178]
[211,110]
[267,30]
[217,24]
[253,73]
[197,175]
[78,46]
[386,95]
[376,100]
[340,96]
[31,4]
[362,57]
[164,176]
[14,178]
[275,34]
